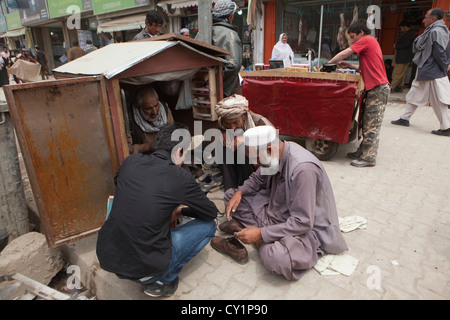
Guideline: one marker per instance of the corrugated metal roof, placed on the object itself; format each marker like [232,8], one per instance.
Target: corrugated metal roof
[118,57]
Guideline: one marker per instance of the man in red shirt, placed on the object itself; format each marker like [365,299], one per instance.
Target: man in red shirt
[373,72]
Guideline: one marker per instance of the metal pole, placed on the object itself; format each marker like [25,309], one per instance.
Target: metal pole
[204,21]
[320,36]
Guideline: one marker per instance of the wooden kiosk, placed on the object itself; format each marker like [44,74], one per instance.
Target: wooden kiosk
[73,131]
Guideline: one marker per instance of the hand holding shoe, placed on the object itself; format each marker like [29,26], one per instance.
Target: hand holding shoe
[250,235]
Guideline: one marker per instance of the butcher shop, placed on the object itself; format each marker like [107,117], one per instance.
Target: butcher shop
[319,26]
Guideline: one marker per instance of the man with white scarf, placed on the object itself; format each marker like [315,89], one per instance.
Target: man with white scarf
[235,115]
[432,85]
[149,115]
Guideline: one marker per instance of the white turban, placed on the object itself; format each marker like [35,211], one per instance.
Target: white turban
[233,107]
[259,136]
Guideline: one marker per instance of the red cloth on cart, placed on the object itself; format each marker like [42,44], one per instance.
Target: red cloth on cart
[303,107]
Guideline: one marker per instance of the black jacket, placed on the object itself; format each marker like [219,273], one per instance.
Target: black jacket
[404,47]
[135,241]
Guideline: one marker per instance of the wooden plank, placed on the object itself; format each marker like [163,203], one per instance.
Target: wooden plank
[41,288]
[200,45]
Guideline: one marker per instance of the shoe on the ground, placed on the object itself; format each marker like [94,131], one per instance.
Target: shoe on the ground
[362,163]
[210,182]
[354,155]
[401,122]
[158,289]
[441,132]
[230,227]
[231,247]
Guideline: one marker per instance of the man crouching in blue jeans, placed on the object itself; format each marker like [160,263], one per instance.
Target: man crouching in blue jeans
[136,241]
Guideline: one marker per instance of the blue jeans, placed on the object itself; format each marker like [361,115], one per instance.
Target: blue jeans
[187,240]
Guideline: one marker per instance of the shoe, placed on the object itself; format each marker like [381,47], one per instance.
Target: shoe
[158,289]
[231,247]
[401,122]
[362,163]
[441,132]
[210,182]
[230,227]
[354,155]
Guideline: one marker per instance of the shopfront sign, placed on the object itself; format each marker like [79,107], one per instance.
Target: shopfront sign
[13,21]
[3,27]
[35,11]
[105,6]
[61,8]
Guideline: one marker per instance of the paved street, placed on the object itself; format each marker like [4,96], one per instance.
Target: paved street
[406,200]
[403,254]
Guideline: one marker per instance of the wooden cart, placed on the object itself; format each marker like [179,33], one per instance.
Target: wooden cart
[320,107]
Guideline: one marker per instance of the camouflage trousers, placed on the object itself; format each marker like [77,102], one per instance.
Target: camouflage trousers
[372,117]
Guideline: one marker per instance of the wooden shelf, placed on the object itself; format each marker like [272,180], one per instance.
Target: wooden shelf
[204,85]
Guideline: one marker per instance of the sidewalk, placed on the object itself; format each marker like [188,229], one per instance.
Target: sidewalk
[403,254]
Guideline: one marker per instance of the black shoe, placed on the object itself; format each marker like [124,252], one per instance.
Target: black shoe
[401,122]
[159,289]
[210,182]
[440,132]
[360,163]
[354,155]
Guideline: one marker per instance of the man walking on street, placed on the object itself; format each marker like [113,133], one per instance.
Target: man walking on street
[432,57]
[403,56]
[373,72]
[225,36]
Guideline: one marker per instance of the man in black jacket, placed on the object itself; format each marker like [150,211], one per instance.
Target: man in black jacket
[136,242]
[403,56]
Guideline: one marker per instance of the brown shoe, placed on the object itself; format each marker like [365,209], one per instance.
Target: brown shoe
[230,227]
[231,247]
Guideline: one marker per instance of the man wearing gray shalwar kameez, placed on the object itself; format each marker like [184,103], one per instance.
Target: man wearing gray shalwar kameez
[290,215]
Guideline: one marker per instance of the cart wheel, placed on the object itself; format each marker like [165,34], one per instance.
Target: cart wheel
[322,149]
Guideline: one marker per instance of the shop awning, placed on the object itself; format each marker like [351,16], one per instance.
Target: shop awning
[179,3]
[13,33]
[118,57]
[123,23]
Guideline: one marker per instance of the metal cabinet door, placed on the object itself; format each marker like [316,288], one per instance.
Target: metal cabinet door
[65,134]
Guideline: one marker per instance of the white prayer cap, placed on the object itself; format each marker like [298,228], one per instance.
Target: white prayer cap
[259,136]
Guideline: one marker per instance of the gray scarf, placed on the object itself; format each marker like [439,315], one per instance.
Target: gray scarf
[147,125]
[423,44]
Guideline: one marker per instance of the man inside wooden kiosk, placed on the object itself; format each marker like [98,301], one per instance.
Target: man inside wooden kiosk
[136,241]
[289,214]
[149,115]
[234,114]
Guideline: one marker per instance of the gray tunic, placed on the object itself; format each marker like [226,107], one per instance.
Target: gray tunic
[296,211]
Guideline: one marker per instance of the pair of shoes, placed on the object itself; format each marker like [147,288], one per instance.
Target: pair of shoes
[441,132]
[401,122]
[158,289]
[354,155]
[231,247]
[362,163]
[230,227]
[210,182]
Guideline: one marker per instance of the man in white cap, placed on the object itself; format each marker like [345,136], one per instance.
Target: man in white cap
[235,115]
[224,35]
[289,214]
